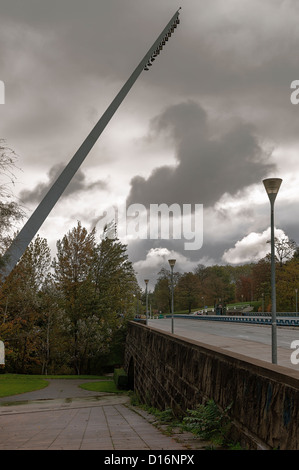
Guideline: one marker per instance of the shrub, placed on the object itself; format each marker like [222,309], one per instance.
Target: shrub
[120,379]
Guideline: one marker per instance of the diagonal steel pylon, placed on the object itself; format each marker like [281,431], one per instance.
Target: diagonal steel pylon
[27,233]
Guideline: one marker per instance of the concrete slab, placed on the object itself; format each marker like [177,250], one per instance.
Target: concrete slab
[65,417]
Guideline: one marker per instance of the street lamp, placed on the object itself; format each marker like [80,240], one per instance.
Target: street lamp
[272,186]
[171,264]
[146,297]
[296,290]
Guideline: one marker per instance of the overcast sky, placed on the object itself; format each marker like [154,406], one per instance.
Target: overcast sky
[205,125]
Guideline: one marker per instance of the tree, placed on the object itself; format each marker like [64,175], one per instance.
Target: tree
[284,249]
[187,291]
[244,289]
[20,306]
[162,290]
[115,289]
[261,281]
[287,280]
[73,277]
[96,283]
[115,280]
[216,283]
[161,295]
[10,210]
[52,343]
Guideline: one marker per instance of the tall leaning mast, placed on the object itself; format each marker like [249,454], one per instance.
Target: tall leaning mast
[31,227]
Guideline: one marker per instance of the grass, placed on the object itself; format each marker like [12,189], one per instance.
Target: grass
[14,384]
[103,386]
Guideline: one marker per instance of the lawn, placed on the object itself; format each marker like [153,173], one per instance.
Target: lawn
[103,386]
[14,384]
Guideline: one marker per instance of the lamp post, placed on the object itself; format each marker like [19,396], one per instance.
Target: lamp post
[296,291]
[171,264]
[272,186]
[146,299]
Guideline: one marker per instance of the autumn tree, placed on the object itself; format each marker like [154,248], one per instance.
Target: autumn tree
[52,343]
[162,290]
[161,295]
[287,281]
[72,273]
[216,283]
[20,307]
[261,281]
[244,288]
[115,290]
[187,291]
[96,283]
[114,276]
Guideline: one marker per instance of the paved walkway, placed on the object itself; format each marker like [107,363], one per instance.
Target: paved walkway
[65,417]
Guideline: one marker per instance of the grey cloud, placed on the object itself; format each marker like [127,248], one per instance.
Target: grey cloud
[60,59]
[77,184]
[95,36]
[210,162]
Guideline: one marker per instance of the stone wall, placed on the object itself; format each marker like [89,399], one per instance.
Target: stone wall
[167,371]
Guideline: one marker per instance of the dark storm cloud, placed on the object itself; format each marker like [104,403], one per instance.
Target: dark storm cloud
[210,162]
[91,37]
[63,62]
[77,184]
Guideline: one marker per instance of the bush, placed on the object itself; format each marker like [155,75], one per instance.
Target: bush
[120,379]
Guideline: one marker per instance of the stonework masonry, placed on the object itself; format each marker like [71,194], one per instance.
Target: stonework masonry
[167,371]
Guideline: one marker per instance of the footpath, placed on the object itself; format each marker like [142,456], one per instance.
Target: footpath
[63,416]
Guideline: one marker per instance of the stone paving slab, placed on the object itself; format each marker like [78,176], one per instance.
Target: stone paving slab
[98,427]
[83,422]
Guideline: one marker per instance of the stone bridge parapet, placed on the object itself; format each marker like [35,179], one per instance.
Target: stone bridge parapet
[168,371]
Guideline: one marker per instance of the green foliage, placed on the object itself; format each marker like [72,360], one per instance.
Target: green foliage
[120,379]
[249,283]
[74,318]
[188,291]
[21,306]
[205,421]
[208,422]
[13,384]
[107,386]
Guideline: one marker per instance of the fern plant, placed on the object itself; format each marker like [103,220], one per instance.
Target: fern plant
[208,422]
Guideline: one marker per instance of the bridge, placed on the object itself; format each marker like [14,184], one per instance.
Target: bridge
[169,371]
[285,319]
